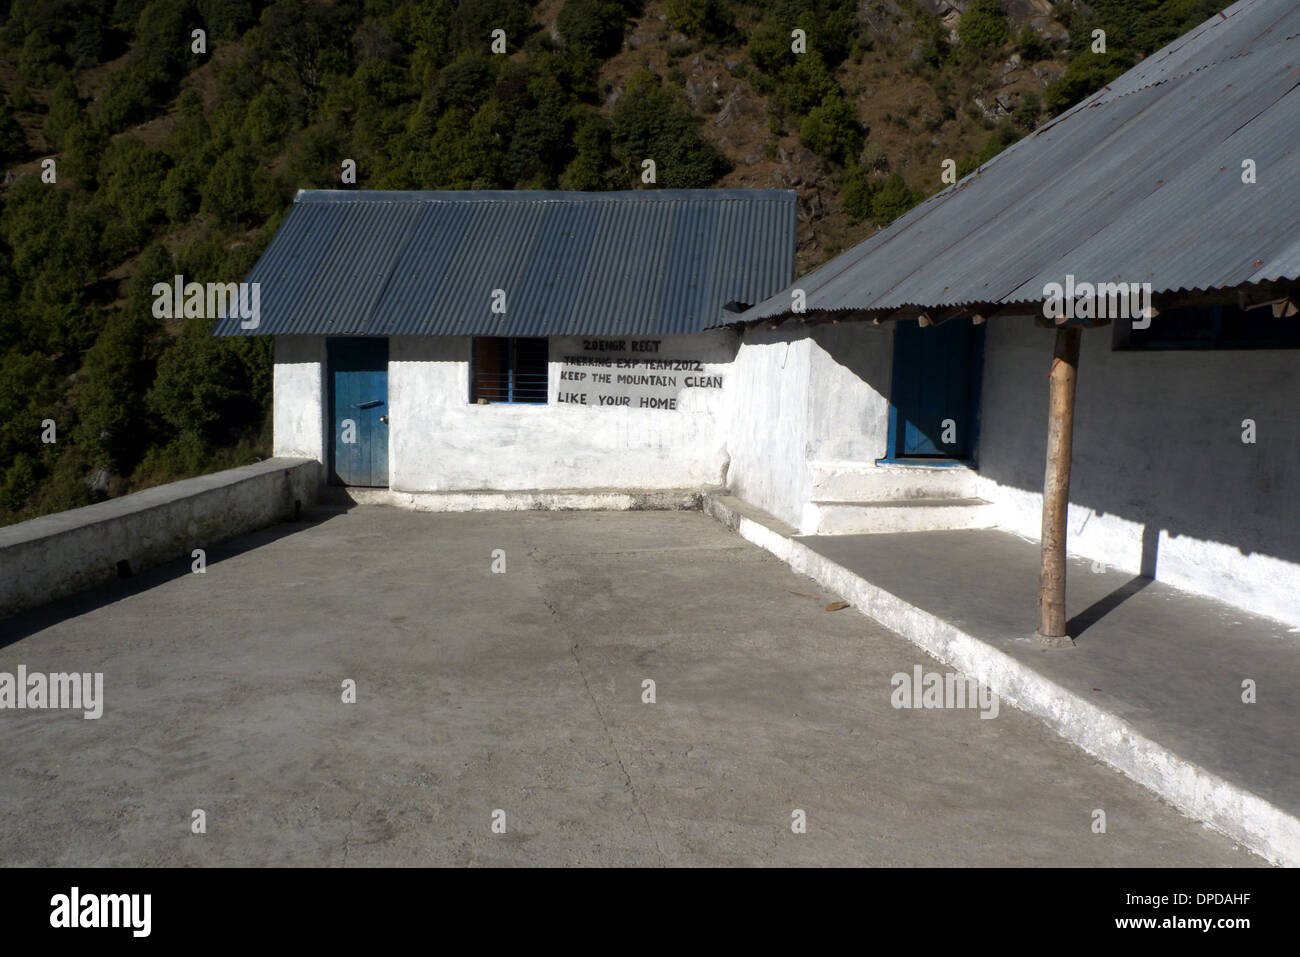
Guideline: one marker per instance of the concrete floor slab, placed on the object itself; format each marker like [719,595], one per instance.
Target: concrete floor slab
[523,692]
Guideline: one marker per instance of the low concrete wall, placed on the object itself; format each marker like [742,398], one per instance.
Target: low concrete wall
[56,555]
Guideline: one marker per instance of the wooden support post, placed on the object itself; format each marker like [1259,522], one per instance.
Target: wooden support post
[1056,486]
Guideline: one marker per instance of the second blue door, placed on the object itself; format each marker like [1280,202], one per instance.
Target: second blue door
[359,411]
[935,390]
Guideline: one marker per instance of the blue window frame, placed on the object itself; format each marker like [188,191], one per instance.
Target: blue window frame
[511,369]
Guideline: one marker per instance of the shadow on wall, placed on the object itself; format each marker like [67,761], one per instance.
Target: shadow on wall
[849,401]
[1158,435]
[1158,438]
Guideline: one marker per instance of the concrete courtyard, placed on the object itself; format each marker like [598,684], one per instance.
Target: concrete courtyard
[522,692]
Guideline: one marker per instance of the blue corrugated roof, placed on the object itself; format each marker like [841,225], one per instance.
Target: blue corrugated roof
[426,263]
[1141,182]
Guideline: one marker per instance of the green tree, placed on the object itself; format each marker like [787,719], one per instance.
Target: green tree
[893,199]
[832,130]
[807,84]
[238,190]
[133,176]
[857,192]
[112,426]
[1084,75]
[769,49]
[589,169]
[13,139]
[1032,46]
[708,19]
[315,157]
[84,146]
[27,396]
[467,82]
[593,27]
[66,112]
[983,26]
[213,390]
[649,124]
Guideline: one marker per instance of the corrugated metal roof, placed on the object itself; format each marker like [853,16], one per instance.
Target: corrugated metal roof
[1139,183]
[426,263]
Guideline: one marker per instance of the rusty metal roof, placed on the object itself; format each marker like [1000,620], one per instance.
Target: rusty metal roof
[1141,182]
[363,263]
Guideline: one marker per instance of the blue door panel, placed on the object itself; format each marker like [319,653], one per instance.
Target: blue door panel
[935,378]
[359,396]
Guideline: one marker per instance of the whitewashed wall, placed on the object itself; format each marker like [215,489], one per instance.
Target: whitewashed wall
[848,402]
[802,394]
[767,429]
[1161,482]
[298,383]
[438,441]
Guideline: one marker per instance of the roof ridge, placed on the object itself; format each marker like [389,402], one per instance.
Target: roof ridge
[393,197]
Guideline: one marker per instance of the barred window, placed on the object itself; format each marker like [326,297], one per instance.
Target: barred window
[509,369]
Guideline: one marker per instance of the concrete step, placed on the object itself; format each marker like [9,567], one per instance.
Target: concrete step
[838,481]
[896,515]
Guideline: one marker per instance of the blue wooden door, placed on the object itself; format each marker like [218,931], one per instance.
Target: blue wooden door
[935,389]
[359,411]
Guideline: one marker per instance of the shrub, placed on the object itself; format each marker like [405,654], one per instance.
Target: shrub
[983,25]
[1027,112]
[893,199]
[594,27]
[706,19]
[857,192]
[22,101]
[1032,46]
[1084,75]
[769,48]
[13,140]
[135,93]
[807,84]
[832,130]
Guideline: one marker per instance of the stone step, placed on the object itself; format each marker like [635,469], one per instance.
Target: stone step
[896,515]
[867,482]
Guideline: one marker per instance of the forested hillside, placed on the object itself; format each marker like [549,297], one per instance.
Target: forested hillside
[175,152]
